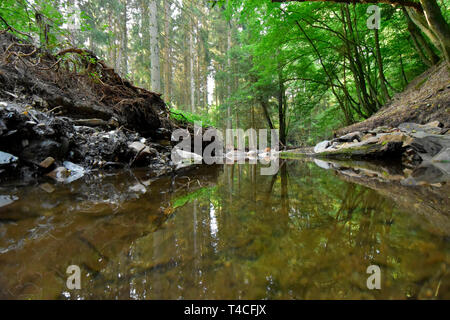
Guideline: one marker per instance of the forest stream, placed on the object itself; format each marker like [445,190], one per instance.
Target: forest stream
[225,232]
[225,150]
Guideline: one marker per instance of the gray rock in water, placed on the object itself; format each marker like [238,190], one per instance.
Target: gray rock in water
[7,158]
[349,137]
[322,146]
[443,156]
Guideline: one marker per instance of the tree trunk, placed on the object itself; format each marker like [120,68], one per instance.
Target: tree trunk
[124,43]
[419,50]
[281,107]
[434,58]
[154,48]
[437,23]
[265,106]
[167,63]
[421,22]
[191,64]
[383,81]
[405,79]
[355,64]
[430,58]
[229,120]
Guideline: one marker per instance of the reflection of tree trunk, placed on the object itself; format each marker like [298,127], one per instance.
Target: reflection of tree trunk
[253,179]
[232,176]
[239,178]
[196,253]
[156,256]
[272,183]
[284,189]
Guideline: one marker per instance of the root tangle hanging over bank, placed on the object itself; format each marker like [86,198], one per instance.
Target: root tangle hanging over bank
[78,84]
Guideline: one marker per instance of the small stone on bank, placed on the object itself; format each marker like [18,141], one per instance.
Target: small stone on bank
[49,161]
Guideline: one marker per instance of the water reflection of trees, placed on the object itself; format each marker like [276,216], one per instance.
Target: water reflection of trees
[298,234]
[302,233]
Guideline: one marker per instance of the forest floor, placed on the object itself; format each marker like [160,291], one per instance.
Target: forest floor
[425,99]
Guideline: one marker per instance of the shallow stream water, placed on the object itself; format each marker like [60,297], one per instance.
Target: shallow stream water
[224,232]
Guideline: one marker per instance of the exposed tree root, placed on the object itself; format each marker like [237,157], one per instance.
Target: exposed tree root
[81,85]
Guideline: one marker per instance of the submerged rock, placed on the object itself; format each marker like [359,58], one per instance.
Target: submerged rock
[47,187]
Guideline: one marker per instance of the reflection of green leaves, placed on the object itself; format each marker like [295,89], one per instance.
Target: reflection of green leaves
[203,192]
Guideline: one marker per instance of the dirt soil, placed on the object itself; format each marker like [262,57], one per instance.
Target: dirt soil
[76,83]
[425,99]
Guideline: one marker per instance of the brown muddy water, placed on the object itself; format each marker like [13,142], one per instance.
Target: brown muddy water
[224,232]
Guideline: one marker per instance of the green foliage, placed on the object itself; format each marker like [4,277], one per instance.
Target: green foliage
[44,20]
[304,45]
[189,117]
